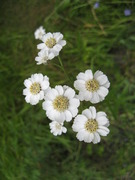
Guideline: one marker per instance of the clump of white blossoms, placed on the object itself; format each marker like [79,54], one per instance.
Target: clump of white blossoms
[90,125]
[52,42]
[61,104]
[36,87]
[39,33]
[93,88]
[57,128]
[51,46]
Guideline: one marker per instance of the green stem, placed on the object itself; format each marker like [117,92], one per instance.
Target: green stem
[78,150]
[92,64]
[62,67]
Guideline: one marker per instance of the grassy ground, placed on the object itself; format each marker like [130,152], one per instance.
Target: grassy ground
[100,38]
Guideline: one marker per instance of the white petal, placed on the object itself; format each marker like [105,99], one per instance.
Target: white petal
[41,95]
[107,84]
[51,94]
[47,105]
[74,102]
[51,56]
[27,83]
[47,36]
[102,120]
[58,36]
[104,128]
[55,53]
[57,116]
[79,123]
[97,74]
[61,117]
[96,138]
[107,124]
[62,42]
[34,99]
[38,77]
[59,89]
[87,113]
[100,113]
[46,78]
[80,135]
[26,91]
[41,46]
[68,115]
[70,93]
[93,111]
[27,98]
[51,114]
[87,95]
[88,137]
[73,110]
[79,85]
[95,98]
[45,84]
[102,79]
[82,76]
[80,119]
[102,132]
[64,130]
[102,91]
[57,47]
[89,74]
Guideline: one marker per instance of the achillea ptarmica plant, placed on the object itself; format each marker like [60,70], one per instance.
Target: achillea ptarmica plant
[61,103]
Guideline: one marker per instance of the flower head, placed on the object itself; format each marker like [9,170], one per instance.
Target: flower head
[43,57]
[90,125]
[96,5]
[57,128]
[127,12]
[52,42]
[39,33]
[36,87]
[60,104]
[93,88]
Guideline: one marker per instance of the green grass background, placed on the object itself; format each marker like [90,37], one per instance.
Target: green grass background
[101,39]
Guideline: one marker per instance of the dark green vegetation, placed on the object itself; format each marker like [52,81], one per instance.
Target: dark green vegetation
[100,38]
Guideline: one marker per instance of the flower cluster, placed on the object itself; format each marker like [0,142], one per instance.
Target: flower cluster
[50,47]
[61,103]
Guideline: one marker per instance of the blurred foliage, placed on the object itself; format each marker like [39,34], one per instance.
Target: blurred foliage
[102,38]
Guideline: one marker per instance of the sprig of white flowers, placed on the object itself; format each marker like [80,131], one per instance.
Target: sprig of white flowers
[61,103]
[51,45]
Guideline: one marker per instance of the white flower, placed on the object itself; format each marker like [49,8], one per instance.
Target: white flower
[91,125]
[39,33]
[60,104]
[57,128]
[52,42]
[36,87]
[93,88]
[43,57]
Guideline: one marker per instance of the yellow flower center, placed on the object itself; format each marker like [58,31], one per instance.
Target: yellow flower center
[50,42]
[91,125]
[92,85]
[61,103]
[35,88]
